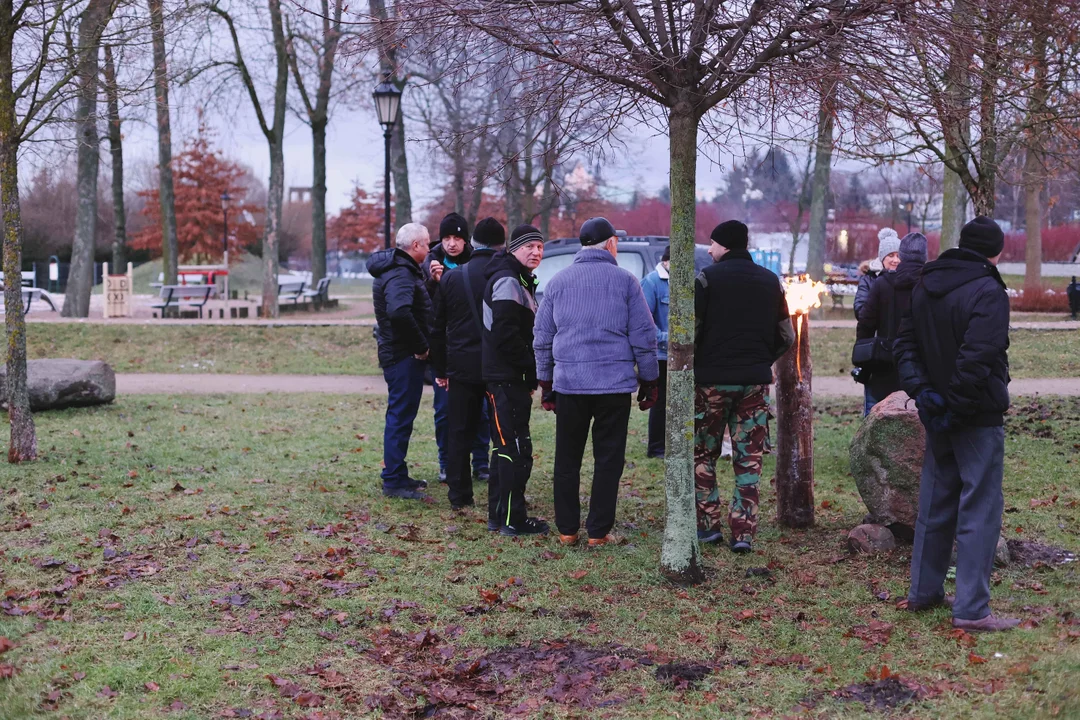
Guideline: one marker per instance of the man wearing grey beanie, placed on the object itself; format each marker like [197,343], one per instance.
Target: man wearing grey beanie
[952,357]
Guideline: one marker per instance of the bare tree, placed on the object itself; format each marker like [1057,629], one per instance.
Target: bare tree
[170,251]
[116,149]
[320,53]
[673,62]
[92,24]
[389,70]
[273,129]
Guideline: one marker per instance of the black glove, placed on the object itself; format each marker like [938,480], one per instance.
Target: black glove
[547,395]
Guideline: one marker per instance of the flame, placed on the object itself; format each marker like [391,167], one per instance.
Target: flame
[803,294]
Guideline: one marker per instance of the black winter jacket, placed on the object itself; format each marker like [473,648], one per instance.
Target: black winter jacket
[456,334]
[509,313]
[956,339]
[742,324]
[438,254]
[888,301]
[402,306]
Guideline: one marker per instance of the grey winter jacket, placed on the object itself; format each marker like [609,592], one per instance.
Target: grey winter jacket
[594,334]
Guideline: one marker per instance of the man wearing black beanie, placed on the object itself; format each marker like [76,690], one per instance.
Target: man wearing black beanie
[951,354]
[742,328]
[456,363]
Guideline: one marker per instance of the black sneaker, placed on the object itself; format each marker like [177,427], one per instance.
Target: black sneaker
[532,526]
[416,484]
[463,504]
[741,546]
[442,477]
[494,526]
[710,536]
[404,493]
[481,476]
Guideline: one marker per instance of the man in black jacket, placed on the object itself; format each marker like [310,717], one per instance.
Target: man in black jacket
[457,362]
[403,317]
[742,328]
[887,302]
[952,357]
[510,373]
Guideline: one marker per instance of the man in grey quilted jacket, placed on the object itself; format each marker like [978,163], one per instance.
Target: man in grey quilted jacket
[595,344]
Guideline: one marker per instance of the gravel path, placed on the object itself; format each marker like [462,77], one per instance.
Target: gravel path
[207,384]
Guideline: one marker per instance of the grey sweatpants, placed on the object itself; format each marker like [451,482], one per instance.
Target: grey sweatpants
[959,496]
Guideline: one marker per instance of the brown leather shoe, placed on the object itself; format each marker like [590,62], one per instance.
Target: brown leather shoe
[568,540]
[946,601]
[608,539]
[986,624]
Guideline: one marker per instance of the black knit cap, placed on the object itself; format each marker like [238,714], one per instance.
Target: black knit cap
[489,232]
[667,254]
[984,236]
[598,230]
[731,234]
[523,235]
[454,224]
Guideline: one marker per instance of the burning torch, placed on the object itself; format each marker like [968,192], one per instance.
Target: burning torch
[795,410]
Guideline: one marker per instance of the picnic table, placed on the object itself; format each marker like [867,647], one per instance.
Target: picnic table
[32,294]
[840,288]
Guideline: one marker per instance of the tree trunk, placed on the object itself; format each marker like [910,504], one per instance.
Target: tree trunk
[23,445]
[116,148]
[166,197]
[823,152]
[1034,172]
[512,194]
[1032,228]
[276,189]
[458,160]
[399,168]
[88,158]
[680,559]
[318,202]
[795,432]
[953,201]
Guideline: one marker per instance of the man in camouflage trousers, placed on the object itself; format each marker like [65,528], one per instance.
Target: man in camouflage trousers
[742,328]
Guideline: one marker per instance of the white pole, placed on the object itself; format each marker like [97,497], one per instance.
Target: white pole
[227,306]
[105,288]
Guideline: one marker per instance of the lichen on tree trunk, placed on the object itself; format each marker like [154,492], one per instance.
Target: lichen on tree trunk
[23,444]
[170,253]
[680,559]
[318,202]
[116,149]
[795,432]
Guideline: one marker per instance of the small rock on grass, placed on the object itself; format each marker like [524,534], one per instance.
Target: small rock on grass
[869,539]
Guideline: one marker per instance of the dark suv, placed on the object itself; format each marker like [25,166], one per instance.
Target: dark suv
[638,255]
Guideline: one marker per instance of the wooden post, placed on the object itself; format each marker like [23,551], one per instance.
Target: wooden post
[795,431]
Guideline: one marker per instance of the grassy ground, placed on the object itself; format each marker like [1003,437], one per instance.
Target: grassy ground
[231,557]
[352,350]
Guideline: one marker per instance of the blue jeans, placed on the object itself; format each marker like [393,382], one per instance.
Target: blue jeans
[441,405]
[405,386]
[869,401]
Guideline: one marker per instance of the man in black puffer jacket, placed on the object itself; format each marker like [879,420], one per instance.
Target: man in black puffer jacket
[456,358]
[887,302]
[403,316]
[509,364]
[952,357]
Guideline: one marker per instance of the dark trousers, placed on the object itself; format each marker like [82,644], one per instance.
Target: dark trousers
[444,420]
[959,497]
[658,416]
[467,421]
[511,406]
[609,416]
[404,386]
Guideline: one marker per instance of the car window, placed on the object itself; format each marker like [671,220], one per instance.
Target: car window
[632,261]
[549,266]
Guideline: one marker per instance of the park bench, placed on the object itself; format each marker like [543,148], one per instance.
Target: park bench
[291,288]
[195,296]
[320,294]
[840,289]
[31,294]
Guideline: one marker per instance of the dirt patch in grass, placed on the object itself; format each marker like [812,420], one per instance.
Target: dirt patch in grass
[886,694]
[1030,553]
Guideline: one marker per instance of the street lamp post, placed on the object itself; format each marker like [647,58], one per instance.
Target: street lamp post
[909,205]
[225,198]
[387,103]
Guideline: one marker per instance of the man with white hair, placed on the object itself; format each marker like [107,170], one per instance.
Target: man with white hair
[403,317]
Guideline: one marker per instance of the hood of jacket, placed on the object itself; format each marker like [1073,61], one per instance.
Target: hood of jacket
[954,268]
[662,272]
[907,275]
[381,261]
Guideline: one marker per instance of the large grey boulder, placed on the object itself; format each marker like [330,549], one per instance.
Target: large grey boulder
[57,384]
[886,462]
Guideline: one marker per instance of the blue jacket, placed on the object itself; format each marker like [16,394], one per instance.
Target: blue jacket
[655,287]
[594,334]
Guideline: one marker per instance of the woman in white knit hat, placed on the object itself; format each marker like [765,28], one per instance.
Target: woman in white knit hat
[888,257]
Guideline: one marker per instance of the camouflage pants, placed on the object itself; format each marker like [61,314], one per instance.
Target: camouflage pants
[744,411]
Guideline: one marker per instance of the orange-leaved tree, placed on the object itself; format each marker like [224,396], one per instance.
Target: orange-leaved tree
[360,225]
[201,174]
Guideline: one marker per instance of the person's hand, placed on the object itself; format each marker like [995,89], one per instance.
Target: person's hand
[943,423]
[444,383]
[647,394]
[436,270]
[931,402]
[423,355]
[547,395]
